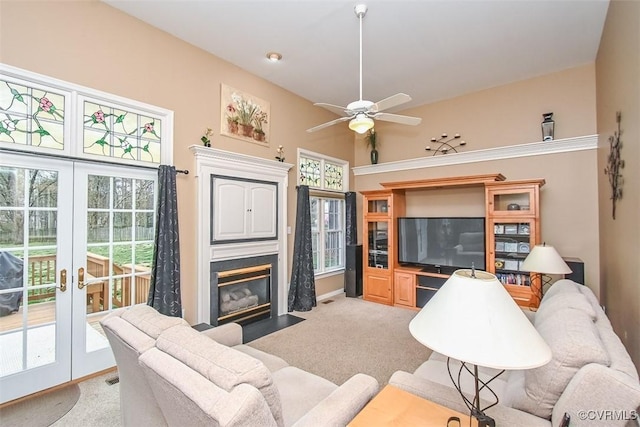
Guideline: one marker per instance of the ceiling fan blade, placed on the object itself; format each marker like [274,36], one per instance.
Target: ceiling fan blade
[392,101]
[331,123]
[333,108]
[397,118]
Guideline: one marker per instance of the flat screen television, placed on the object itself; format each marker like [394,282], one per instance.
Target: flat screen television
[442,245]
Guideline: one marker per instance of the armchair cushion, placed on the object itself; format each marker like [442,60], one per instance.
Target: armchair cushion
[222,365]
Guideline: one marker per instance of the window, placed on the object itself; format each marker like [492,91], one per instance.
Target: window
[327,233]
[47,116]
[329,178]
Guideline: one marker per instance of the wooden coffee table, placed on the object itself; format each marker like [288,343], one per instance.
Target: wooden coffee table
[396,407]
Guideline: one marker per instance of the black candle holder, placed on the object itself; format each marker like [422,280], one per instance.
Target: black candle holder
[446,146]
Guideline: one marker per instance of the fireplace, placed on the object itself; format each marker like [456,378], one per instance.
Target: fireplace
[242,291]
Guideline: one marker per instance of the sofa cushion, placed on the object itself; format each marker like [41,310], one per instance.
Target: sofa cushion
[435,369]
[574,342]
[563,301]
[222,365]
[273,363]
[300,391]
[558,287]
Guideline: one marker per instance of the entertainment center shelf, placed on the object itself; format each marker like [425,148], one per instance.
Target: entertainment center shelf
[512,228]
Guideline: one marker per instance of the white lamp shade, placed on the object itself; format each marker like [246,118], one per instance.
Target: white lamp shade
[361,123]
[545,259]
[475,320]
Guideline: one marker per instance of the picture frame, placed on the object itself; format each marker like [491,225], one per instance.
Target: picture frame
[499,246]
[244,116]
[523,247]
[498,229]
[523,229]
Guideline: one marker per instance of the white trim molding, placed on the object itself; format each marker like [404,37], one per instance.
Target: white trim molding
[219,162]
[589,142]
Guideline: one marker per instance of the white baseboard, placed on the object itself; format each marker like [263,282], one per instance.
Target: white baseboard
[329,294]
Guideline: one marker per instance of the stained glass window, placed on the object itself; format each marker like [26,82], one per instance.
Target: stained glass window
[318,171]
[30,116]
[310,172]
[115,132]
[333,176]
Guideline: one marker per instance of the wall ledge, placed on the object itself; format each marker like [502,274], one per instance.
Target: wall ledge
[579,143]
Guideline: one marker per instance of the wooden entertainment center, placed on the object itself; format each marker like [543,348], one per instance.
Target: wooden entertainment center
[512,228]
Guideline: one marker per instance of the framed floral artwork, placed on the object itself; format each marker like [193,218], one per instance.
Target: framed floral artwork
[244,116]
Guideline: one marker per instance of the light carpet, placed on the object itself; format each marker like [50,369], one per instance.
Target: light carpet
[347,336]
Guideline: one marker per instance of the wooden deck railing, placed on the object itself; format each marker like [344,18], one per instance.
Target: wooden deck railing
[42,270]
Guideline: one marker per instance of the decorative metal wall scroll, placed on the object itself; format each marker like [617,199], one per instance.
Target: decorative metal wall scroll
[615,164]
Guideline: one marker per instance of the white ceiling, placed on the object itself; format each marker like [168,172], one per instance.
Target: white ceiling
[431,50]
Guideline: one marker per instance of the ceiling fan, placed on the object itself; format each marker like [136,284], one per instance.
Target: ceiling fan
[361,113]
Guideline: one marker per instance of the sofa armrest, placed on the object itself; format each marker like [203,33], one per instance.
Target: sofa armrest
[600,389]
[449,397]
[229,334]
[343,404]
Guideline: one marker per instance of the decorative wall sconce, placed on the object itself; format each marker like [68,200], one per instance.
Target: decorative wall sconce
[445,144]
[615,164]
[548,126]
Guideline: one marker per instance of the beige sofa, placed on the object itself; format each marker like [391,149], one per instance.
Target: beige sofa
[171,374]
[590,377]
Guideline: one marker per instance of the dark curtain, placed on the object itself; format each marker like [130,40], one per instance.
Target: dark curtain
[351,224]
[164,291]
[302,288]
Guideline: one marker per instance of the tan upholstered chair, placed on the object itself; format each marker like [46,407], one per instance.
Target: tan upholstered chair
[198,381]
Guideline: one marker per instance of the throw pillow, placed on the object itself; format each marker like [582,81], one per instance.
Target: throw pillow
[574,342]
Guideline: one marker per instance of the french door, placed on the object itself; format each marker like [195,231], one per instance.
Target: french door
[75,243]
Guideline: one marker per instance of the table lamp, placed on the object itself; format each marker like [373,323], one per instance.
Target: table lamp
[473,319]
[544,260]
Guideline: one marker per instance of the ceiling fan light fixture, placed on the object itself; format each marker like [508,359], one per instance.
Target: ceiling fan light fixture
[361,123]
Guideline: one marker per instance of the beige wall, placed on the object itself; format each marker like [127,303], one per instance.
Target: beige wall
[91,44]
[505,115]
[618,89]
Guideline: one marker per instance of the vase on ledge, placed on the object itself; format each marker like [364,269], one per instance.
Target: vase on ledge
[374,156]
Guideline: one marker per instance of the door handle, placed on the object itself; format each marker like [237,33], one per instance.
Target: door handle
[63,280]
[81,278]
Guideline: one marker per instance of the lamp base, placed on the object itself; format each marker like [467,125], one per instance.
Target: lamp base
[483,419]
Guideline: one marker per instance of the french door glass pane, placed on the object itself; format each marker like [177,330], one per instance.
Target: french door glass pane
[120,233]
[27,289]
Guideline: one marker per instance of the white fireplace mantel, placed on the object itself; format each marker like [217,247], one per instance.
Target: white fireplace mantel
[212,161]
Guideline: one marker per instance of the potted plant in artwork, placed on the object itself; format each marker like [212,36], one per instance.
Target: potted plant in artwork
[372,142]
[259,121]
[232,119]
[246,111]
